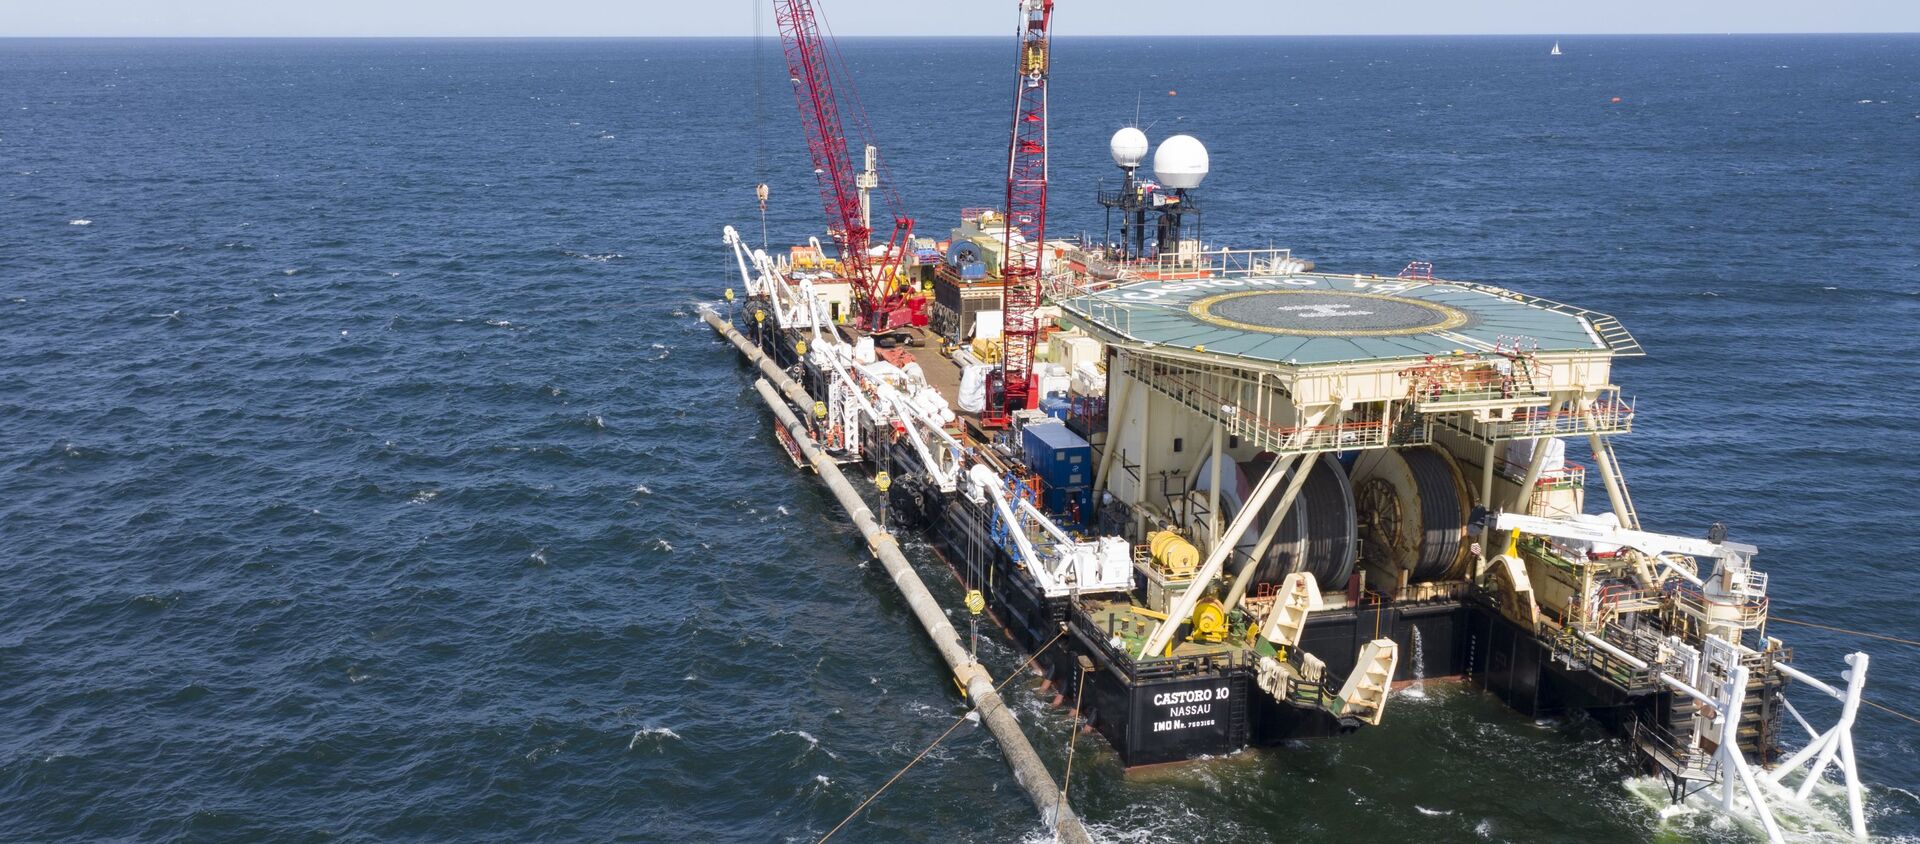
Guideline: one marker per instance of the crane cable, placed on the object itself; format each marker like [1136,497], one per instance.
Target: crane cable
[936,742]
[760,112]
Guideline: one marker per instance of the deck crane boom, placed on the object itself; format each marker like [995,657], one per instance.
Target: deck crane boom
[1026,223]
[843,193]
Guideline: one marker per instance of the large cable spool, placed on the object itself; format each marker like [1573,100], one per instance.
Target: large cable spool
[1289,545]
[1333,537]
[1318,533]
[1413,508]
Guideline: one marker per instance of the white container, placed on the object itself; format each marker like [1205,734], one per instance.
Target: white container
[1089,381]
[988,324]
[1078,349]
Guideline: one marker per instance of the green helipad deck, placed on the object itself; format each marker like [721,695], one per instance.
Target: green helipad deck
[1308,319]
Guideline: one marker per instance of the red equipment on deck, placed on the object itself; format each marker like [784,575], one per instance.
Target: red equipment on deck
[808,61]
[1026,215]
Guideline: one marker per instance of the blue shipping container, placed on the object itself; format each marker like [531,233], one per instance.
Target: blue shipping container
[1058,408]
[1061,458]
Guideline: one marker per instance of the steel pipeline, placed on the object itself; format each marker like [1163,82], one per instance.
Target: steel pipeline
[1028,770]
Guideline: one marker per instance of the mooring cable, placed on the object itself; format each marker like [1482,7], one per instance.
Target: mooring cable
[1883,636]
[1889,710]
[1880,706]
[1073,732]
[936,742]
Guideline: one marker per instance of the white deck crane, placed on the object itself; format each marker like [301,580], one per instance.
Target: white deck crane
[1743,790]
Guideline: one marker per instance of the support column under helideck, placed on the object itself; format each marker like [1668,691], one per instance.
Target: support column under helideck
[1616,488]
[1117,411]
[1486,504]
[1523,500]
[1213,490]
[1142,493]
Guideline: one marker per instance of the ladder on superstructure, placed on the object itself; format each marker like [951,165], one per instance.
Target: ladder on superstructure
[1523,363]
[1603,454]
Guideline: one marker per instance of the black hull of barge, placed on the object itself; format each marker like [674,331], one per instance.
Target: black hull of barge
[1130,704]
[1180,710]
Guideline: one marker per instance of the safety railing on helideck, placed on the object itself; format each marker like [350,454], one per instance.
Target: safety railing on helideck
[1609,329]
[1114,316]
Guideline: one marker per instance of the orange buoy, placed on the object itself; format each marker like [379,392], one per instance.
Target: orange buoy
[1616,99]
[1173,93]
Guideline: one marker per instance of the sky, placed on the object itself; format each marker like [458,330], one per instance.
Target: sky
[333,18]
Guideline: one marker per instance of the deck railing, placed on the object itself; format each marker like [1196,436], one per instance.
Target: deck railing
[1750,614]
[1609,416]
[1609,329]
[1244,422]
[1581,655]
[1685,761]
[1150,668]
[1612,602]
[1201,263]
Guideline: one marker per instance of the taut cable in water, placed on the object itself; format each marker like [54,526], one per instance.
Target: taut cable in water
[943,737]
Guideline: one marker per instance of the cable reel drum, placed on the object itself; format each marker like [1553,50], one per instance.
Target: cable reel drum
[1413,507]
[1317,534]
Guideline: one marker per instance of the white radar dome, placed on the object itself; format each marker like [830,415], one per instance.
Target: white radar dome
[1180,162]
[1129,147]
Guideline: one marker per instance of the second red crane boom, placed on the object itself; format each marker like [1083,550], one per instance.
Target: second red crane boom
[1026,210]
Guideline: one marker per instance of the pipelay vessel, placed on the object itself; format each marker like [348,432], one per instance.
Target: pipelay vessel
[1223,494]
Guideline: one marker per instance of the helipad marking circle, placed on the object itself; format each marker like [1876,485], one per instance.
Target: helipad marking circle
[1326,313]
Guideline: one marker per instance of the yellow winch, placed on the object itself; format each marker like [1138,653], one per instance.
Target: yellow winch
[1173,553]
[1209,621]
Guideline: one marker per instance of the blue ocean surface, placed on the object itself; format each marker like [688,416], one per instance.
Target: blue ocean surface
[365,474]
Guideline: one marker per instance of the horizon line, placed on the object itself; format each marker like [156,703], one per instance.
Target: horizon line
[775,37]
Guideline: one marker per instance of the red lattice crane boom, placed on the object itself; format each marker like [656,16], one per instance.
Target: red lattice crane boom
[810,59]
[1026,208]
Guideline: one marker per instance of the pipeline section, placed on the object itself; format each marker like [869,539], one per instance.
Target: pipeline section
[795,393]
[1028,770]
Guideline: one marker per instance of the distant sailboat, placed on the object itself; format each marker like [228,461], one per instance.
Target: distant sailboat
[1556,49]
